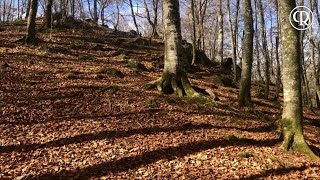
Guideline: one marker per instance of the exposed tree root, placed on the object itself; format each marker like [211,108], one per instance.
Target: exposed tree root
[293,140]
[177,84]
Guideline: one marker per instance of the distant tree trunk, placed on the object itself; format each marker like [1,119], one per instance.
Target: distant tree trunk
[155,19]
[233,32]
[247,55]
[28,9]
[73,4]
[173,80]
[82,13]
[313,61]
[31,27]
[4,11]
[256,33]
[153,23]
[95,11]
[48,14]
[64,10]
[134,17]
[118,17]
[265,48]
[18,9]
[9,11]
[278,80]
[292,129]
[194,48]
[220,36]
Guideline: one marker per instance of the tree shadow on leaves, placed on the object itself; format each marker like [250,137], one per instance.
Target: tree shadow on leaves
[168,153]
[120,134]
[279,171]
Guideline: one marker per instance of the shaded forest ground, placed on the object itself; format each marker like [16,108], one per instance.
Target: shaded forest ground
[76,106]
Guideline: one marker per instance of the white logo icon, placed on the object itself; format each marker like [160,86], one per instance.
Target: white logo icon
[301,18]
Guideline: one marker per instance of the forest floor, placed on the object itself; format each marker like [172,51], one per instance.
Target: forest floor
[67,113]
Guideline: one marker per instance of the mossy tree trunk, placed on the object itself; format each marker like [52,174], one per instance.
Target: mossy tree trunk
[247,44]
[173,80]
[48,14]
[31,27]
[292,129]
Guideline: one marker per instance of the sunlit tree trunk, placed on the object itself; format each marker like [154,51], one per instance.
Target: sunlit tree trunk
[31,27]
[247,45]
[292,129]
[173,79]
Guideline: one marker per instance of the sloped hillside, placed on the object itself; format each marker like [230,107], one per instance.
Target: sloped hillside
[76,106]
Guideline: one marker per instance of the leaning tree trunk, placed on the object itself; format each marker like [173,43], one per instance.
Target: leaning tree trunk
[173,80]
[31,27]
[292,129]
[247,44]
[134,17]
[48,14]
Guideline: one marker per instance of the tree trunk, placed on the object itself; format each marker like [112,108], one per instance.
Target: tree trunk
[134,17]
[193,33]
[233,32]
[247,45]
[95,11]
[265,49]
[313,61]
[278,81]
[31,27]
[292,129]
[48,14]
[220,35]
[173,80]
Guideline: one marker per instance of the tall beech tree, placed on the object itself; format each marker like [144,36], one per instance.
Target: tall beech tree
[174,80]
[292,129]
[31,26]
[247,53]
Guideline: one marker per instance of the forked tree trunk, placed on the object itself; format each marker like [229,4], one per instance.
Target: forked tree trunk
[173,80]
[292,129]
[247,44]
[31,27]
